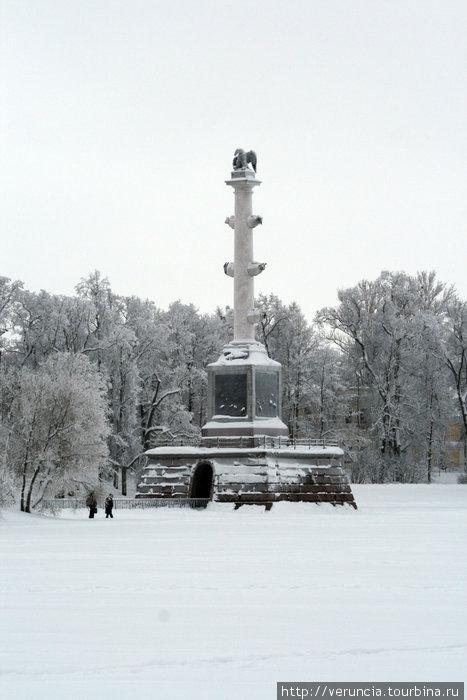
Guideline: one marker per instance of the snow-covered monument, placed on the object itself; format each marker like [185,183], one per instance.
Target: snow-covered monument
[245,455]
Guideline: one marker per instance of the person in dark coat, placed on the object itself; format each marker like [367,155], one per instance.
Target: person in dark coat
[109,504]
[91,503]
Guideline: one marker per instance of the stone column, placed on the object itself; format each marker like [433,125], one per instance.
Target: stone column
[244,395]
[243,182]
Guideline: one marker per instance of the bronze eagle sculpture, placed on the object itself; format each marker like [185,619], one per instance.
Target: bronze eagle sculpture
[242,159]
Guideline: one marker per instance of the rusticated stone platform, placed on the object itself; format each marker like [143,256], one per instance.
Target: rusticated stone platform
[247,475]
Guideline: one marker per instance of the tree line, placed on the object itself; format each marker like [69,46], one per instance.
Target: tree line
[89,382]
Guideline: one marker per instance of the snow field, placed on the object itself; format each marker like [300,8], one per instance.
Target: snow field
[176,603]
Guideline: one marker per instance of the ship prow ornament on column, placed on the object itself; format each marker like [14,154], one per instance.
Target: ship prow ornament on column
[245,455]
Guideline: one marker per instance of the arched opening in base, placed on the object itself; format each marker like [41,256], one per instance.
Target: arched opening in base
[201,486]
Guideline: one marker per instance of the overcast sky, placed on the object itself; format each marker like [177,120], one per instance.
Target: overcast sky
[120,119]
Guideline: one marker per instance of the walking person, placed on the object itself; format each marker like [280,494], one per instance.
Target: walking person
[109,504]
[91,503]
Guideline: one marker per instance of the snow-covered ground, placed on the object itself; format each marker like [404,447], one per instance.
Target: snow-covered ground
[175,603]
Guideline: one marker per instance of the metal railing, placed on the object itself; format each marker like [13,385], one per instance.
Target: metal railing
[130,503]
[58,503]
[261,441]
[161,503]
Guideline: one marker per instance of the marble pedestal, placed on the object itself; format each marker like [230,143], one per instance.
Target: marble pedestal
[263,474]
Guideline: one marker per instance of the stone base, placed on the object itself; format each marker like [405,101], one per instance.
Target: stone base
[244,173]
[247,361]
[247,476]
[270,427]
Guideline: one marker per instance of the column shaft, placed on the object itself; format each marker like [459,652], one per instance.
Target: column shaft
[243,254]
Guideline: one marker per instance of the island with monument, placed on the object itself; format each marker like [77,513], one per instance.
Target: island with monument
[245,455]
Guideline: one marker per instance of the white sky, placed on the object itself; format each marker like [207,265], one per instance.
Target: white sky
[120,118]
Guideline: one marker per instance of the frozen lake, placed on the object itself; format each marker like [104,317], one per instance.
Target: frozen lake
[221,604]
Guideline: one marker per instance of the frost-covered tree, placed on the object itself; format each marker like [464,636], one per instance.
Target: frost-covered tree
[37,323]
[111,343]
[271,327]
[289,339]
[149,354]
[455,357]
[193,340]
[9,292]
[58,428]
[328,391]
[42,324]
[389,332]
